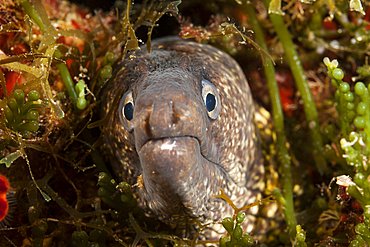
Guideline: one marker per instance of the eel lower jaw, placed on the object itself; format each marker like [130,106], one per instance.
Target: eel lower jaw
[170,157]
[173,172]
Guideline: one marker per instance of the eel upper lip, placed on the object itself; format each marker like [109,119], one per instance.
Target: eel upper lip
[151,140]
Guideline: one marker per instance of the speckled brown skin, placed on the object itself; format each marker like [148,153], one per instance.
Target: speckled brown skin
[176,157]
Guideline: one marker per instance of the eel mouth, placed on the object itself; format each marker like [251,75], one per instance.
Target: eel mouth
[171,161]
[151,141]
[172,169]
[169,143]
[172,147]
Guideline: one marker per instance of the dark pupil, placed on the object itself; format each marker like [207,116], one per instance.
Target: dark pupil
[129,111]
[210,102]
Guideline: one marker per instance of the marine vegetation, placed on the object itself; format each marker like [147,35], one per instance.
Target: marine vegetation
[306,63]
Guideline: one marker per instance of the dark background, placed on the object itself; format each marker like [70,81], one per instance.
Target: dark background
[193,9]
[96,4]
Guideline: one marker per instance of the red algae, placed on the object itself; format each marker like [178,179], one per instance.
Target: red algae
[4,187]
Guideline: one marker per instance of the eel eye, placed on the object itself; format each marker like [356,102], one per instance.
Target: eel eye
[126,110]
[211,99]
[210,102]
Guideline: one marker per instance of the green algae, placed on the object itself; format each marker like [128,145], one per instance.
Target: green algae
[355,152]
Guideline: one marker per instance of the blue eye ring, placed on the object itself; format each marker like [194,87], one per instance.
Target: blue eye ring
[126,110]
[211,99]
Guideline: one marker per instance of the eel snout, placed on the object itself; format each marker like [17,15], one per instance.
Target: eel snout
[166,107]
[169,125]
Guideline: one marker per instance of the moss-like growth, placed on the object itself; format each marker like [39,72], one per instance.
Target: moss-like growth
[21,116]
[354,120]
[236,236]
[118,196]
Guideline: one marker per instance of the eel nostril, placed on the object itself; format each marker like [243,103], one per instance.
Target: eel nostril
[140,117]
[181,109]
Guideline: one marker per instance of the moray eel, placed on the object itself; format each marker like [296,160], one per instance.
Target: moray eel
[183,130]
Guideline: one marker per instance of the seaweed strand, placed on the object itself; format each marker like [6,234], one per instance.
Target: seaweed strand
[302,85]
[283,156]
[51,34]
